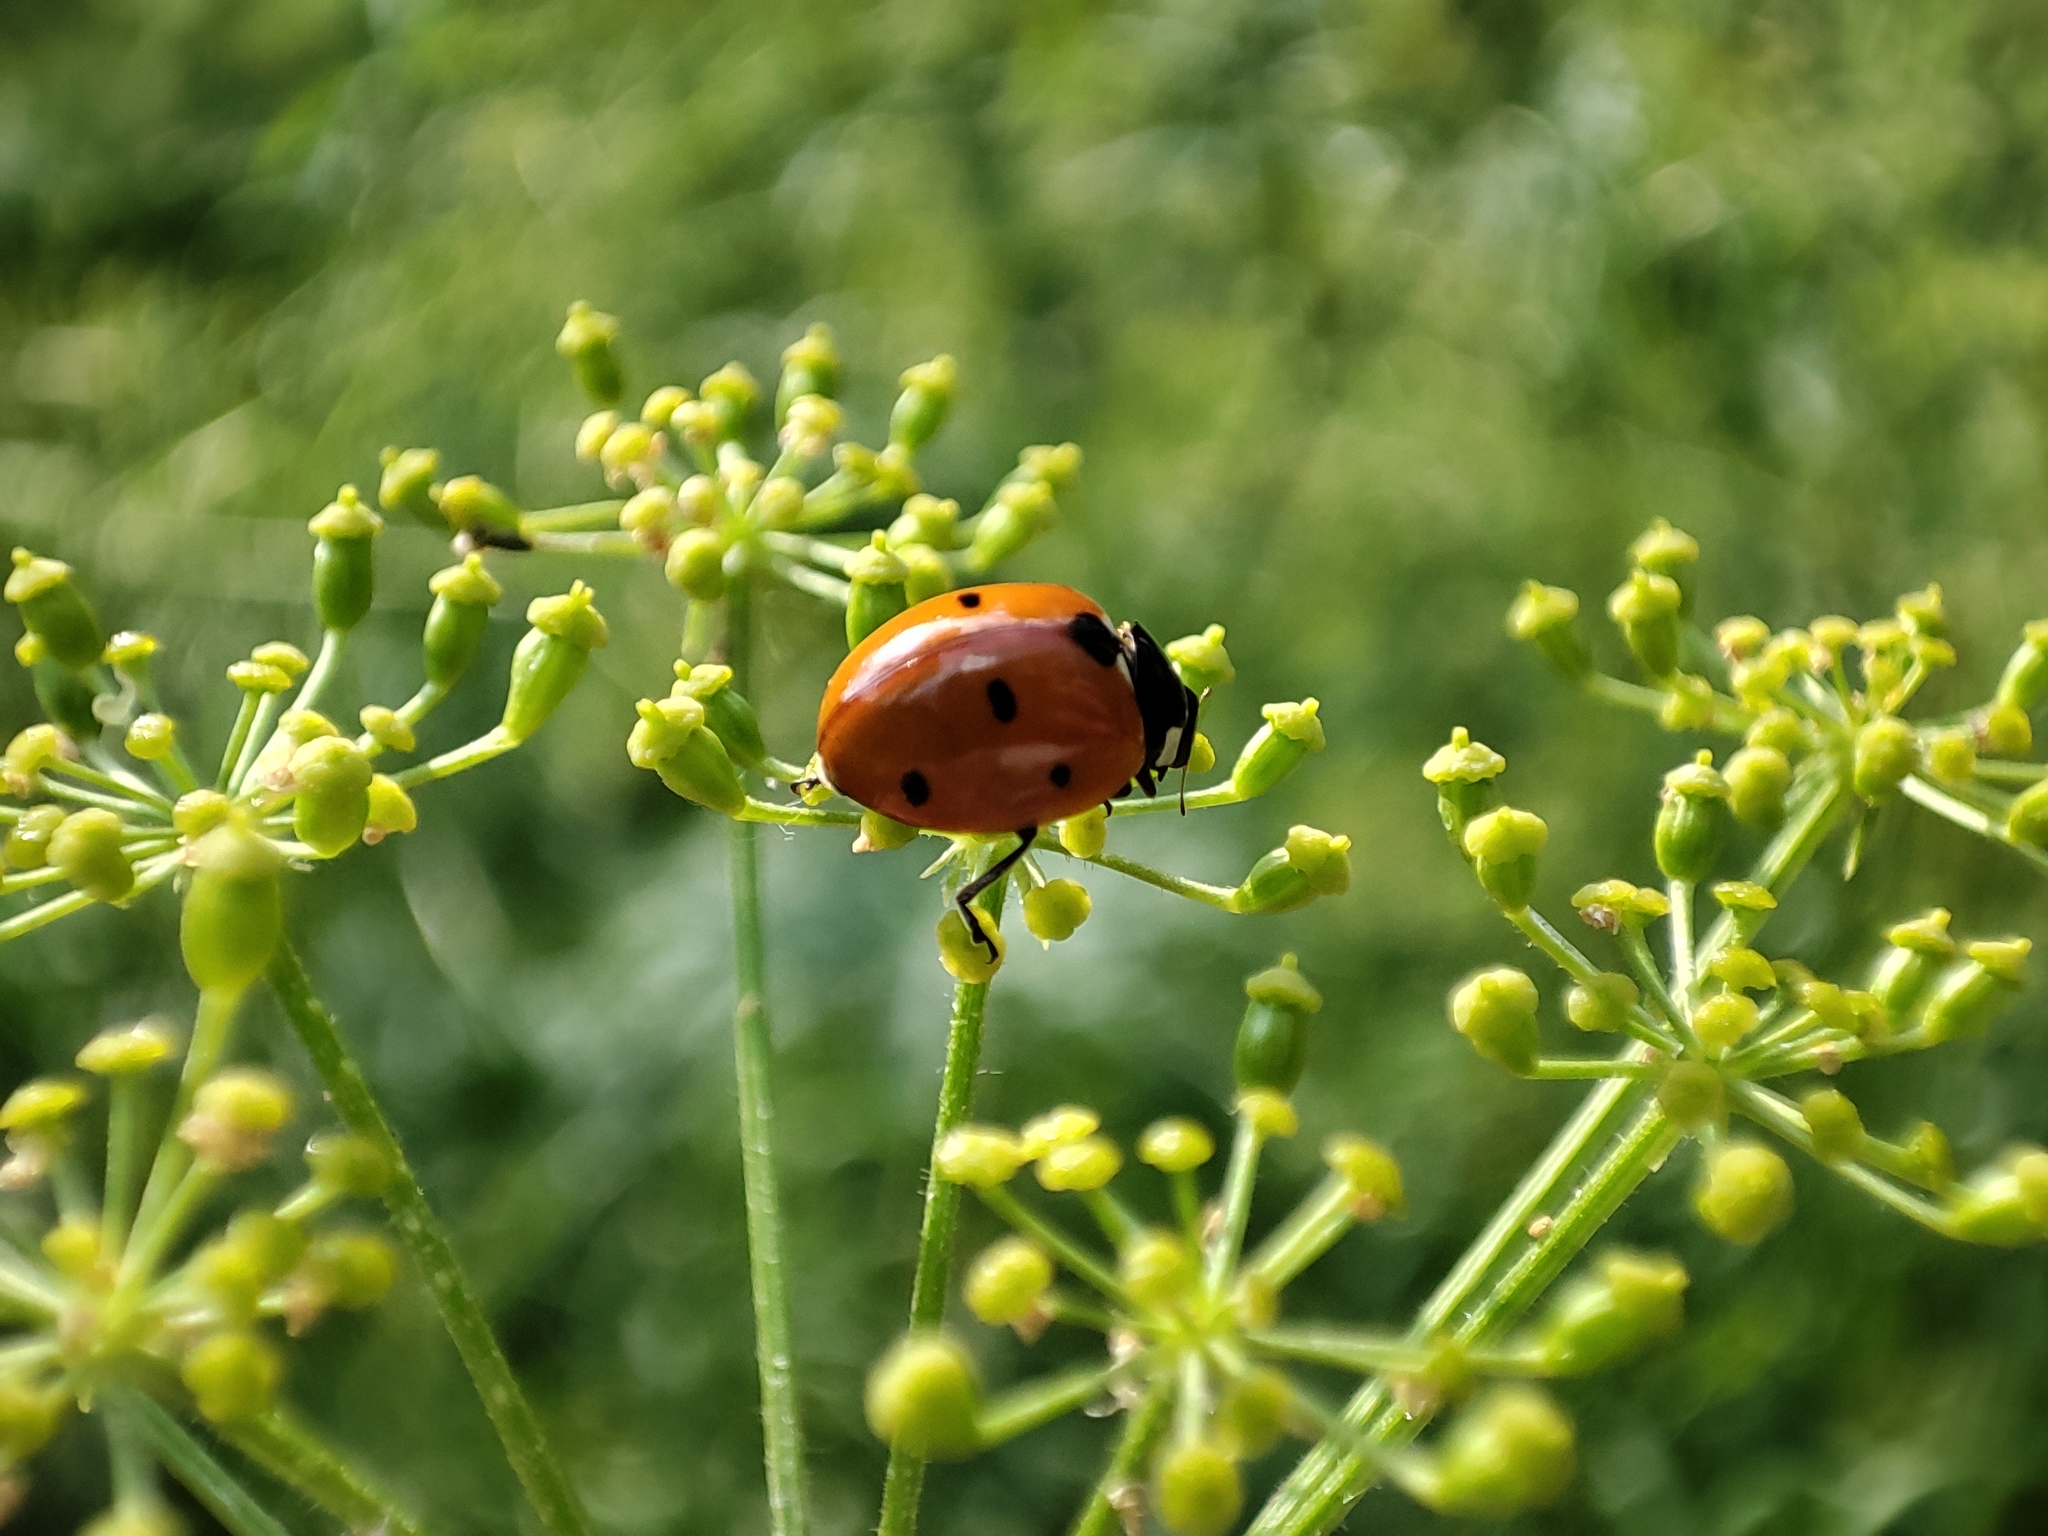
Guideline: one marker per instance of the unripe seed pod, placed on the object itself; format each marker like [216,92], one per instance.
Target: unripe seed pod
[232,1376]
[1272,1042]
[1512,1450]
[1201,660]
[1199,1491]
[695,565]
[810,366]
[876,592]
[589,340]
[1177,1145]
[344,560]
[463,598]
[926,520]
[923,1397]
[86,848]
[1692,1094]
[1964,1000]
[1079,1166]
[1646,606]
[551,657]
[1602,1319]
[1886,751]
[407,484]
[920,411]
[330,778]
[1055,910]
[1832,1121]
[2027,820]
[1291,733]
[1547,618]
[1724,1020]
[733,394]
[151,738]
[1758,778]
[54,611]
[28,840]
[1917,951]
[1309,864]
[470,502]
[2025,678]
[1155,1268]
[671,738]
[980,1156]
[926,573]
[1371,1172]
[1691,818]
[1006,1281]
[231,918]
[726,712]
[1085,835]
[1503,845]
[1496,1010]
[1023,510]
[965,957]
[1744,1193]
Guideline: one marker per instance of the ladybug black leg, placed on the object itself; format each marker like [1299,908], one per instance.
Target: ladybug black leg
[988,877]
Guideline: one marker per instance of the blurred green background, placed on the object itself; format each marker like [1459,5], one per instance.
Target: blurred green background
[1361,312]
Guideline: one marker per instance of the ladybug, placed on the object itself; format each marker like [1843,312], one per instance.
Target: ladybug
[1001,708]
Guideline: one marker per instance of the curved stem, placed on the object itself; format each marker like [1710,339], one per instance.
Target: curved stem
[1103,1515]
[295,1456]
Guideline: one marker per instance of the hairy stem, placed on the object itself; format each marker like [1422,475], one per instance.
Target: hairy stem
[192,1464]
[1143,1425]
[296,1457]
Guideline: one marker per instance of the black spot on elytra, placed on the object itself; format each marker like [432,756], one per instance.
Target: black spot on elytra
[915,789]
[1095,637]
[1002,701]
[1062,775]
[970,599]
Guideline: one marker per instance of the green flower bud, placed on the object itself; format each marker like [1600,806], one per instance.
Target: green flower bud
[926,520]
[232,1376]
[1966,997]
[1276,749]
[1601,1005]
[1079,1166]
[732,392]
[128,1048]
[151,738]
[54,611]
[344,560]
[551,657]
[594,433]
[258,677]
[1021,512]
[350,1270]
[392,812]
[1256,1410]
[1725,1020]
[234,1115]
[73,1246]
[1201,660]
[1758,778]
[2006,1204]
[470,502]
[1691,817]
[1054,911]
[1309,864]
[1692,1094]
[2005,731]
[1917,951]
[696,564]
[1610,905]
[876,594]
[809,426]
[1177,1145]
[1058,1127]
[1372,1174]
[1952,756]
[1503,845]
[810,366]
[29,752]
[1665,551]
[980,1156]
[1741,969]
[86,848]
[1495,1009]
[1510,1451]
[1930,1161]
[926,573]
[1007,1281]
[1741,637]
[2027,820]
[199,811]
[1272,1042]
[1744,1192]
[330,778]
[1155,1268]
[1646,606]
[1199,1491]
[29,1418]
[928,390]
[1832,1121]
[2025,678]
[730,717]
[28,840]
[671,738]
[385,728]
[965,957]
[924,1396]
[589,340]
[41,1104]
[1602,1319]
[648,514]
[351,1167]
[230,921]
[878,834]
[1268,1113]
[779,503]
[1085,835]
[407,484]
[627,451]
[1886,751]
[1548,618]
[661,404]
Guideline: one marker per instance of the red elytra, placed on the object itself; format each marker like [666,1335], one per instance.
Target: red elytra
[1001,708]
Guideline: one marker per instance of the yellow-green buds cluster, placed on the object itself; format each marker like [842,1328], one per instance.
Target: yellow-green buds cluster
[1548,618]
[1502,845]
[1291,733]
[1744,1192]
[551,657]
[1691,818]
[919,412]
[230,921]
[589,340]
[234,1115]
[1272,1042]
[674,739]
[53,610]
[344,560]
[1627,1303]
[1309,864]
[1495,1009]
[463,598]
[924,1397]
[1646,606]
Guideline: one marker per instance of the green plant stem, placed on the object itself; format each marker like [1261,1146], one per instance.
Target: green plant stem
[495,742]
[1218,896]
[1777,1114]
[612,544]
[753,1066]
[124,1145]
[295,1456]
[192,1464]
[212,1028]
[903,1483]
[1143,1426]
[1306,1235]
[1239,1175]
[1026,1407]
[1567,957]
[1968,817]
[147,877]
[1084,1265]
[1679,893]
[828,588]
[238,737]
[1359,1351]
[462,1314]
[1559,1069]
[584,517]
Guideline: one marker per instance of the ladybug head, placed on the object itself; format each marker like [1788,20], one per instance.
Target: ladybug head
[1166,705]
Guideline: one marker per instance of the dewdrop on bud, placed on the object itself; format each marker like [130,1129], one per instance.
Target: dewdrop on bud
[1309,864]
[589,341]
[921,409]
[1291,733]
[1691,817]
[1503,844]
[86,849]
[1548,618]
[1601,1004]
[1757,779]
[1272,1040]
[695,565]
[1629,1302]
[1055,910]
[1496,1010]
[1155,1268]
[463,598]
[232,1376]
[1079,1166]
[1512,1450]
[53,610]
[1887,750]
[1834,1125]
[979,1156]
[1744,1192]
[1198,1490]
[1177,1145]
[1085,835]
[406,484]
[876,593]
[1371,1174]
[1201,660]
[344,560]
[1964,1000]
[1646,607]
[551,657]
[234,1114]
[1007,1281]
[923,1397]
[230,921]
